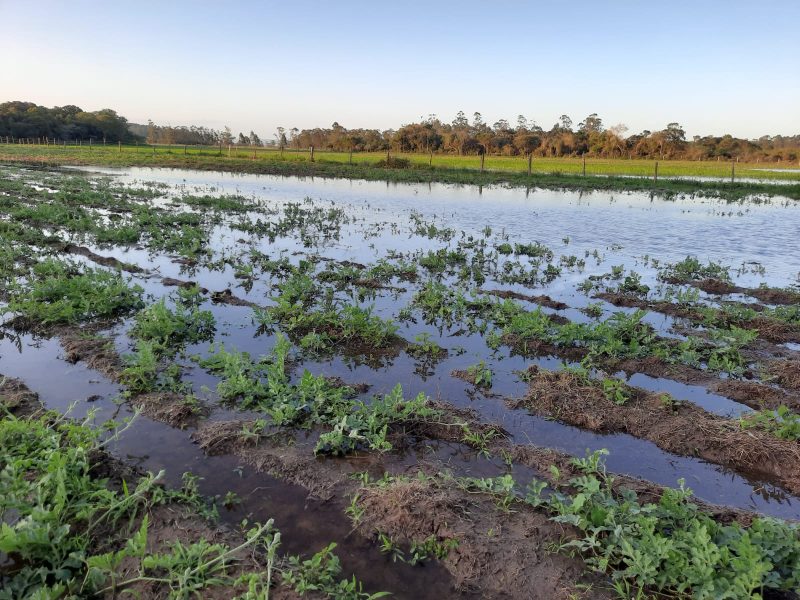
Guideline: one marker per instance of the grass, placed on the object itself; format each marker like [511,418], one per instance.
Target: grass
[562,173]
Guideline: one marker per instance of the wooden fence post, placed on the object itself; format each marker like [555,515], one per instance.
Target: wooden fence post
[733,170]
[229,150]
[430,159]
[120,146]
[483,155]
[184,149]
[351,157]
[584,165]
[655,174]
[387,156]
[530,163]
[312,153]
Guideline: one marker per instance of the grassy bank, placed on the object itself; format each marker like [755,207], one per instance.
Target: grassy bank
[620,175]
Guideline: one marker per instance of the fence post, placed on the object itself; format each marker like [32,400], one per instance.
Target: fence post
[655,175]
[584,165]
[154,149]
[733,169]
[430,159]
[483,155]
[530,163]
[387,156]
[184,149]
[119,143]
[351,157]
[312,153]
[229,150]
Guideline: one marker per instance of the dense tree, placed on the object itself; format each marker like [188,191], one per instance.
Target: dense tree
[28,120]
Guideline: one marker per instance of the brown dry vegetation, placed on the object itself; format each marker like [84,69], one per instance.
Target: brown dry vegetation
[682,429]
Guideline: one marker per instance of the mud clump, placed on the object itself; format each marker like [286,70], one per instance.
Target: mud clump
[227,297]
[17,398]
[541,300]
[358,388]
[170,408]
[105,261]
[775,295]
[97,352]
[786,373]
[172,282]
[755,395]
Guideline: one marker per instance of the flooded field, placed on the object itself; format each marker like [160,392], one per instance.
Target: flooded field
[460,387]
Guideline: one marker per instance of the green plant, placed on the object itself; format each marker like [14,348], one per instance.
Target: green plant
[320,573]
[781,422]
[670,547]
[615,390]
[479,439]
[480,375]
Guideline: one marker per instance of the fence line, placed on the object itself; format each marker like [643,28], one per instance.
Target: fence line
[236,151]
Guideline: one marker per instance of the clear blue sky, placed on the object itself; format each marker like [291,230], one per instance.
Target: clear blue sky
[714,66]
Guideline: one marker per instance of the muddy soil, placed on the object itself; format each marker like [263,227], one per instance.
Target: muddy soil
[106,261]
[541,300]
[771,330]
[786,373]
[17,398]
[498,554]
[765,294]
[682,429]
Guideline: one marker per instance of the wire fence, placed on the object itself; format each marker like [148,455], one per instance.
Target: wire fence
[478,163]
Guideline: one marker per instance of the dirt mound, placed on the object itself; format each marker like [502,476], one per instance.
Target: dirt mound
[716,286]
[270,453]
[97,352]
[502,555]
[542,300]
[227,297]
[786,373]
[755,395]
[17,398]
[775,295]
[106,261]
[682,429]
[170,408]
[172,282]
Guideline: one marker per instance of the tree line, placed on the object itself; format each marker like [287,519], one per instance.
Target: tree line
[29,120]
[462,136]
[590,137]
